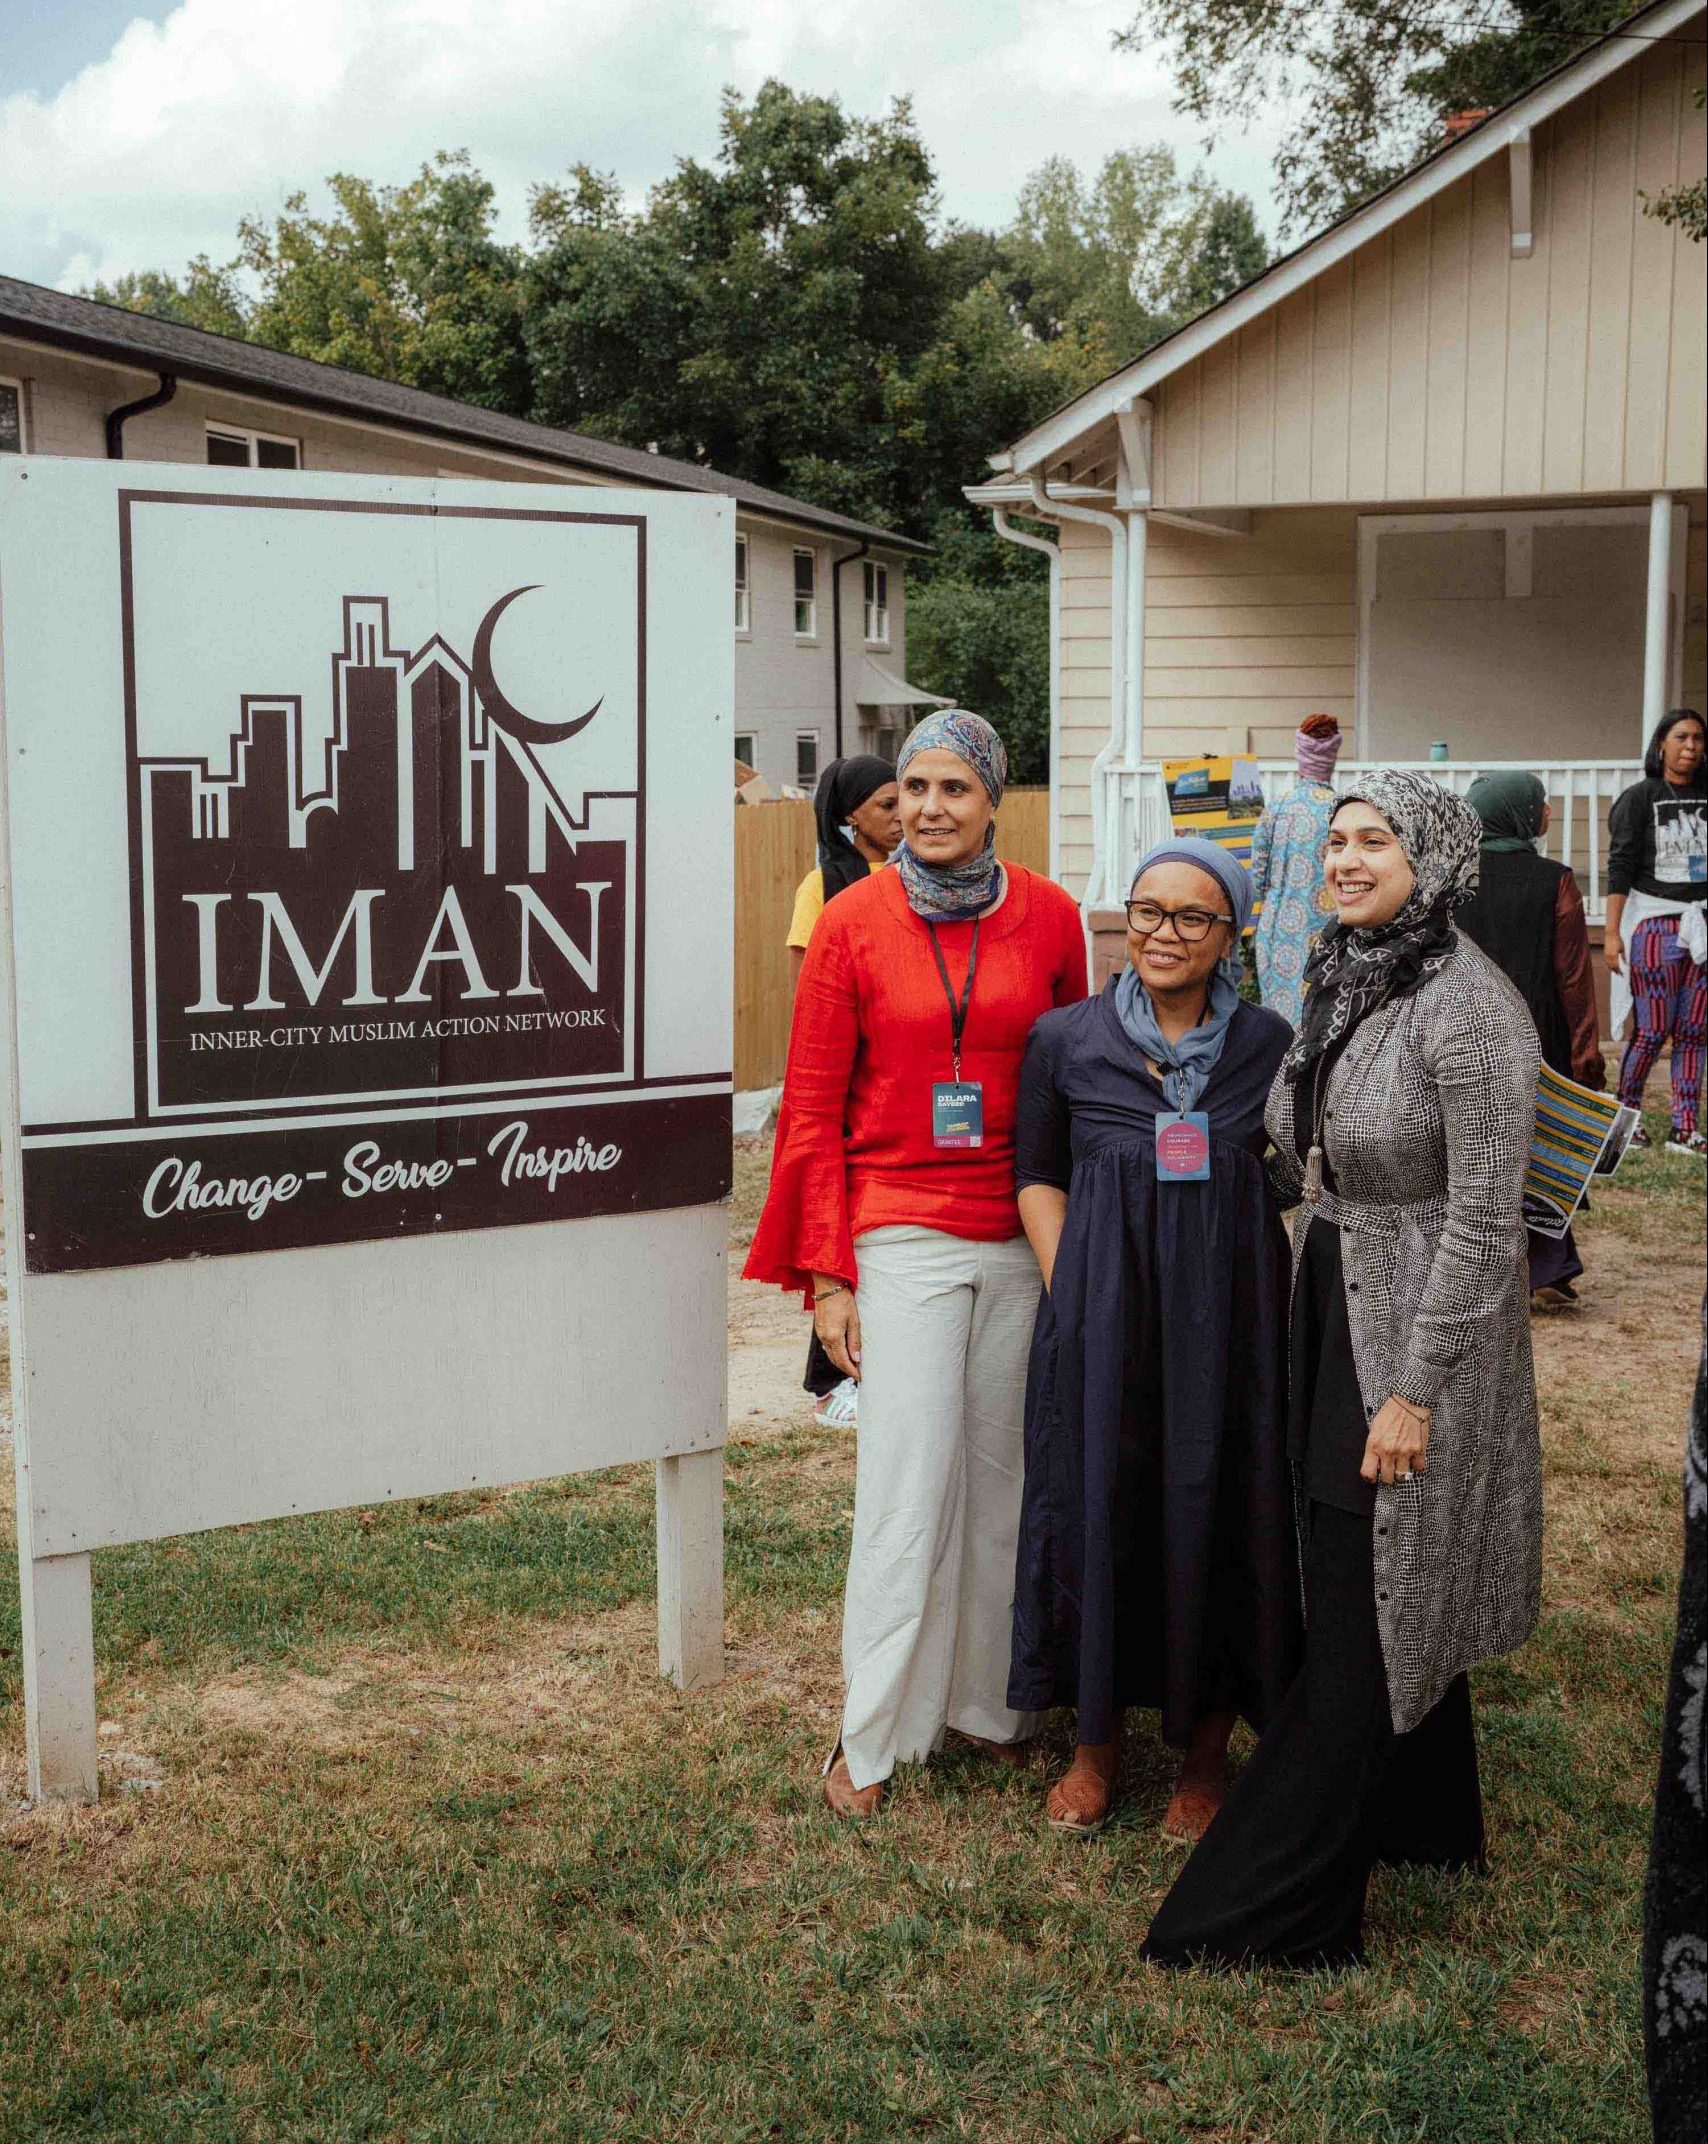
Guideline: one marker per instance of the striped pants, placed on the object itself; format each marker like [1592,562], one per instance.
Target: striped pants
[1670,991]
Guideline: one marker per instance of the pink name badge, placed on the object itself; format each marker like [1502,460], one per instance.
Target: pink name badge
[1183,1147]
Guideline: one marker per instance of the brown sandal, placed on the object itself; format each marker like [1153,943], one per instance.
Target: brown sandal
[1081,1800]
[842,1797]
[1197,1799]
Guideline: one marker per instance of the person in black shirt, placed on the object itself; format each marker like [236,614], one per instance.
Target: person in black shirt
[1657,923]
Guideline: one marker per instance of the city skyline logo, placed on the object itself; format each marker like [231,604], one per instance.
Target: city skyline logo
[384,896]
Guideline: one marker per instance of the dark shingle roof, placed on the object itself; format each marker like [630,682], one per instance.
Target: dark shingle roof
[126,338]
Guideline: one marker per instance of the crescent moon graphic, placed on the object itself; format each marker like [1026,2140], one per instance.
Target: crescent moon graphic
[498,708]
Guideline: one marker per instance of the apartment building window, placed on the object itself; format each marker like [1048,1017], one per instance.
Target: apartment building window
[743,604]
[747,750]
[877,603]
[806,759]
[230,448]
[806,595]
[11,416]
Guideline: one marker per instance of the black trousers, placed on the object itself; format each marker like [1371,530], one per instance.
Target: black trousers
[1279,1877]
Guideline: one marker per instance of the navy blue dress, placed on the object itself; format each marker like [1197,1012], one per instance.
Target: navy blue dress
[1158,1559]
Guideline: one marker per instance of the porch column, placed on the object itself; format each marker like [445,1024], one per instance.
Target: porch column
[1657,628]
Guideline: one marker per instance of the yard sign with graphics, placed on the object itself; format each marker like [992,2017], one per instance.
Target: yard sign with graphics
[368,970]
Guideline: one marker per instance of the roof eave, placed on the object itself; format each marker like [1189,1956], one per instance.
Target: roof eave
[232,380]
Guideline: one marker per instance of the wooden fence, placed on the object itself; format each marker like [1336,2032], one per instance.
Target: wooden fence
[774,847]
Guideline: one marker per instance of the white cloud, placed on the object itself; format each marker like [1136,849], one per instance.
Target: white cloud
[152,154]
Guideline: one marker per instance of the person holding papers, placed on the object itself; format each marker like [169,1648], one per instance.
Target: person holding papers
[892,1207]
[1527,915]
[1402,1120]
[1157,1558]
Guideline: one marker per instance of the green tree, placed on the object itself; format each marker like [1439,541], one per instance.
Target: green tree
[1375,78]
[796,312]
[406,282]
[978,630]
[204,296]
[1118,261]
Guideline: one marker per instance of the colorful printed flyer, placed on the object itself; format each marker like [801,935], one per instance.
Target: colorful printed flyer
[1220,799]
[1579,1134]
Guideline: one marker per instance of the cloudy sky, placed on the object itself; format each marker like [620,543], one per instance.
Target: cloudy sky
[134,133]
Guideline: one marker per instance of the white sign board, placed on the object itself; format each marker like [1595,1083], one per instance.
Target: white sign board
[367,977]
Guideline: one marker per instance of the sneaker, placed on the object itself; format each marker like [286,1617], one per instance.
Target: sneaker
[1640,1137]
[1545,1301]
[840,1409]
[1688,1143]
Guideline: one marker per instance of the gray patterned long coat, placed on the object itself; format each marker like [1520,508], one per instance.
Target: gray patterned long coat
[1427,1131]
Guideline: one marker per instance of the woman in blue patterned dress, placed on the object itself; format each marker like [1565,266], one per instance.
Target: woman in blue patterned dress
[1287,869]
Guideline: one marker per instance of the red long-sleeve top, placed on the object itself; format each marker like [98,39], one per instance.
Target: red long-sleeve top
[871,1036]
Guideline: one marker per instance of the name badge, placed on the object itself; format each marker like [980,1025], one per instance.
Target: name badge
[1183,1147]
[957,1113]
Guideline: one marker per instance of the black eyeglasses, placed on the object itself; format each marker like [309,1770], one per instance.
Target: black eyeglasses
[1191,925]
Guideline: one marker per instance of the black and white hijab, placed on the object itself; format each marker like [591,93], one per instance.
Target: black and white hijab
[1352,971]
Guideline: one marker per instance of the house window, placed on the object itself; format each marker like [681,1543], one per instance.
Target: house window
[11,416]
[747,750]
[877,603]
[806,757]
[229,448]
[743,607]
[806,595]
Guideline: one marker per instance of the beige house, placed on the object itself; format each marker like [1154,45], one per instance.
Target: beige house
[1439,472]
[819,605]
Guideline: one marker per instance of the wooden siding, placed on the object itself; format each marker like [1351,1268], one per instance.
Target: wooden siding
[1244,636]
[1434,365]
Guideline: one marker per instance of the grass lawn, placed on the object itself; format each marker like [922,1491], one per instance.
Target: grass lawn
[402,1838]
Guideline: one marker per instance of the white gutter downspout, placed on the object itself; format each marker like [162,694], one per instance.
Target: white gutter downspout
[1133,497]
[1103,836]
[1053,552]
[1657,624]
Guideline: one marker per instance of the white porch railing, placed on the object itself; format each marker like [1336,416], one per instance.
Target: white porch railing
[1134,809]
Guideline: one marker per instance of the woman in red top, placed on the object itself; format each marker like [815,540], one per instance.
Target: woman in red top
[892,1207]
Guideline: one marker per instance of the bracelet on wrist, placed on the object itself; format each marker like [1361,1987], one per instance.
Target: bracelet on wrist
[824,1295]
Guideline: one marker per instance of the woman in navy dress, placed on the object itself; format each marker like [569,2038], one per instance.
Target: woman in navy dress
[1157,1561]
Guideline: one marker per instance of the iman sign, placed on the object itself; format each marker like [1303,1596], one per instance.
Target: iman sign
[377,771]
[365,888]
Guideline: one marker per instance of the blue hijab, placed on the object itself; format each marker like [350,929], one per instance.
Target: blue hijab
[1188,1063]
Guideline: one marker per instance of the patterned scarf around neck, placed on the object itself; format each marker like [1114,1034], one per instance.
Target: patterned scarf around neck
[949,893]
[1352,970]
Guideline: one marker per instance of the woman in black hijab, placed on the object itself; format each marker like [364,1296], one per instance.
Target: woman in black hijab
[859,826]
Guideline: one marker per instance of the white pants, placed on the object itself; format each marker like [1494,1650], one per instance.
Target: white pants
[927,1624]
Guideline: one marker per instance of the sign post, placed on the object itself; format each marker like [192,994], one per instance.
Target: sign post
[366,963]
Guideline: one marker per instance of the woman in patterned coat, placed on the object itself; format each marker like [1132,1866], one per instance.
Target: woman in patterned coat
[1401,1119]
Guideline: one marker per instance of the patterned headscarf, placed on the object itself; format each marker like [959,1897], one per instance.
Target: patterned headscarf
[1353,969]
[942,893]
